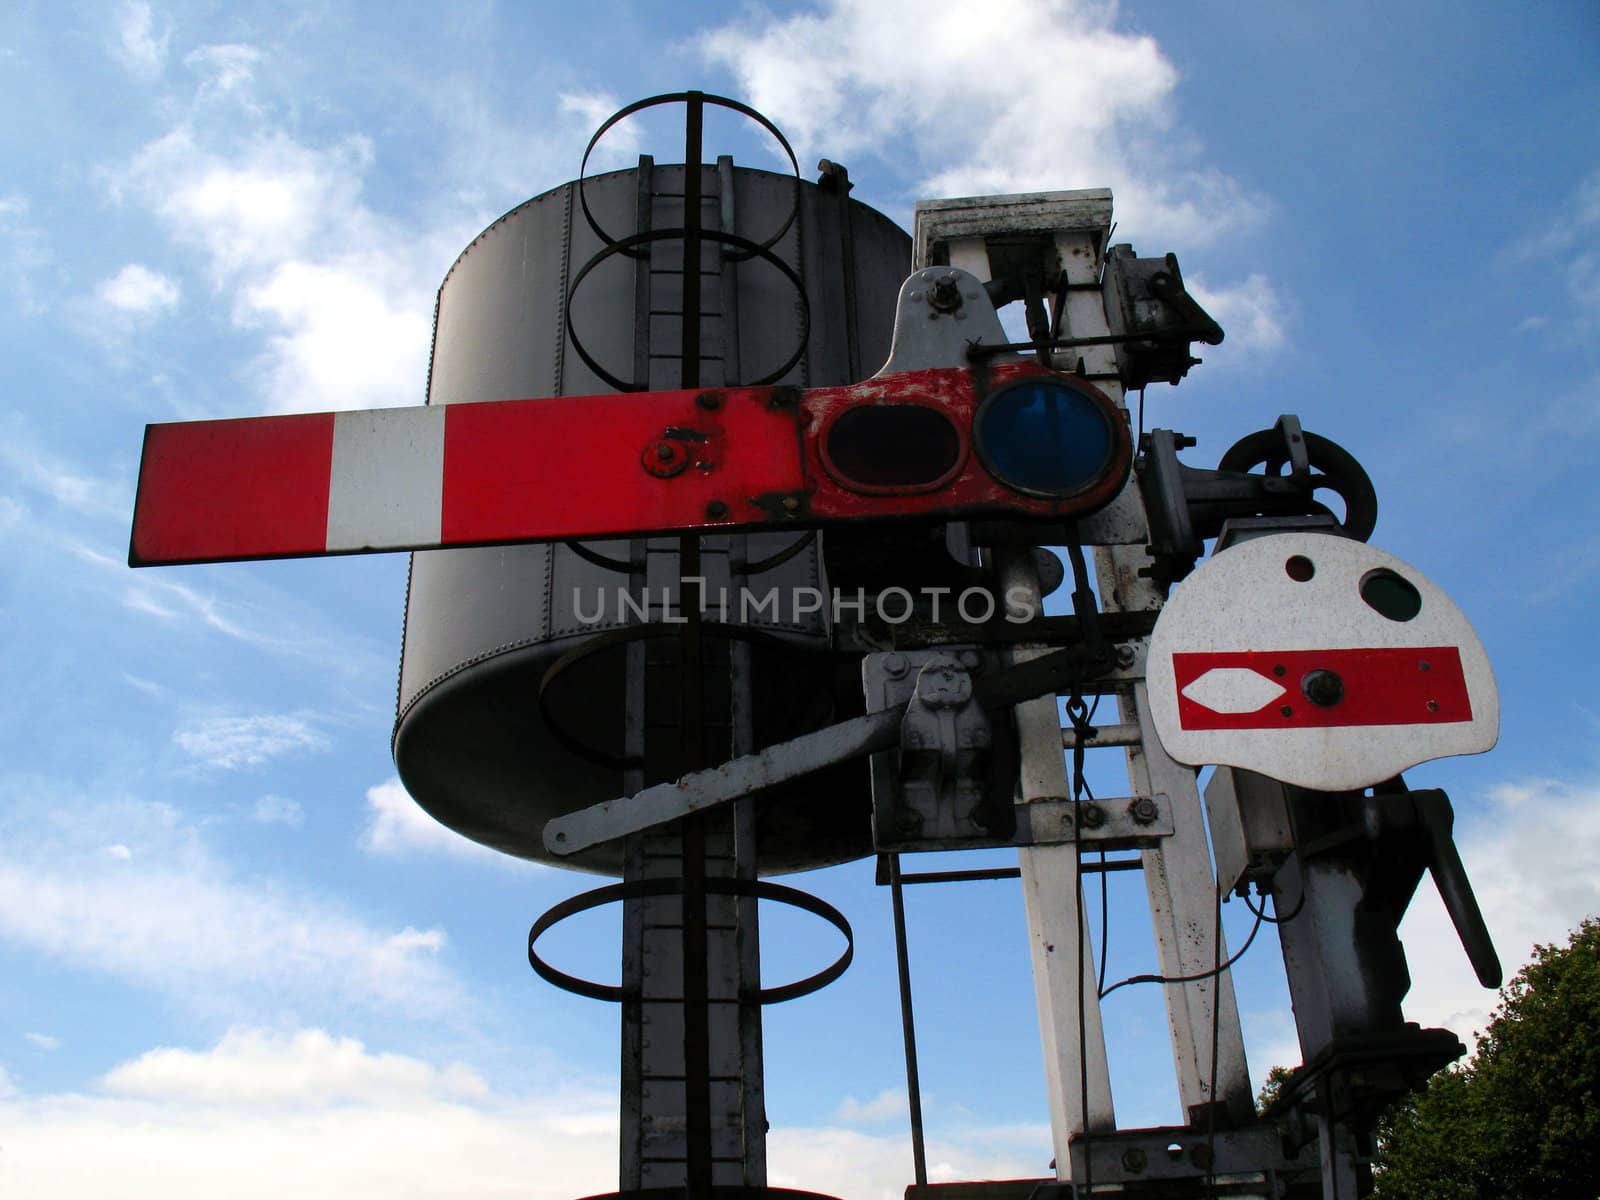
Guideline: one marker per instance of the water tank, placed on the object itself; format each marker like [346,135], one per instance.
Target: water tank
[530,683]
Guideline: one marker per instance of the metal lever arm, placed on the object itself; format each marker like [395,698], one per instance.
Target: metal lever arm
[1450,877]
[589,827]
[664,802]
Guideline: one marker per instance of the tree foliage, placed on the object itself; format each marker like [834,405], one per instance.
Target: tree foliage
[1522,1118]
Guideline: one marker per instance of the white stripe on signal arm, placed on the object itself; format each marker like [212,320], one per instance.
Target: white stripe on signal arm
[386,489]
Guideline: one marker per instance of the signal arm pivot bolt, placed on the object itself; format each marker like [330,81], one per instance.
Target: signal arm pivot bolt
[945,296]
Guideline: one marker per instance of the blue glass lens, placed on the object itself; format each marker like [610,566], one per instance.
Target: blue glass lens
[1045,436]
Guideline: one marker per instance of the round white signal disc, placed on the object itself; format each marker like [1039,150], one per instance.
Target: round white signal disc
[1319,661]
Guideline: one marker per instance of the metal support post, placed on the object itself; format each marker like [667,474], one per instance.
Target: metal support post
[1065,983]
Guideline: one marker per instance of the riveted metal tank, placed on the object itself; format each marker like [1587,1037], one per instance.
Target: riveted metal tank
[523,695]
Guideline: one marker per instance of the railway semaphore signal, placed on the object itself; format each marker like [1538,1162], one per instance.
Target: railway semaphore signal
[660,387]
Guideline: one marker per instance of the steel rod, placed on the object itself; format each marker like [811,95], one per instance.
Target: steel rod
[919,1154]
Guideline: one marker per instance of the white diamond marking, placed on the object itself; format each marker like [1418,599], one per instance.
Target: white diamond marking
[1233,690]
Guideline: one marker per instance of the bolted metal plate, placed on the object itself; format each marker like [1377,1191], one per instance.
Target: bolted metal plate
[1319,661]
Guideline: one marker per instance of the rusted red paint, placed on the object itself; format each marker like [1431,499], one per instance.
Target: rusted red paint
[574,467]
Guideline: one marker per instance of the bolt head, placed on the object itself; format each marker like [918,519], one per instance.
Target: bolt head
[1322,688]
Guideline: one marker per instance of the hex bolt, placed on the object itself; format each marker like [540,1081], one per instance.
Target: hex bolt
[666,452]
[716,510]
[1143,810]
[895,666]
[1091,816]
[1125,655]
[709,401]
[791,504]
[1134,1160]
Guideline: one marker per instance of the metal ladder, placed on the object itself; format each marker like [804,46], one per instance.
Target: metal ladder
[692,1102]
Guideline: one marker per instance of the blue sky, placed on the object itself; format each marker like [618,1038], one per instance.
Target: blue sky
[238,961]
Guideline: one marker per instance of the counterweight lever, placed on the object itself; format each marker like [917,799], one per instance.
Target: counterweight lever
[856,738]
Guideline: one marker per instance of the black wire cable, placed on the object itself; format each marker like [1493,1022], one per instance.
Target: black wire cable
[1105,887]
[1261,914]
[1105,926]
[1216,1044]
[1078,713]
[1217,970]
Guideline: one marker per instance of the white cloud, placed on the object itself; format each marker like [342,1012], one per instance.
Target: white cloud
[621,144]
[1531,860]
[886,1105]
[254,205]
[1086,106]
[139,48]
[7,1088]
[408,938]
[278,810]
[1252,315]
[137,291]
[23,253]
[252,1067]
[116,852]
[230,742]
[37,469]
[859,1166]
[224,68]
[396,824]
[262,1115]
[172,919]
[1570,246]
[340,338]
[44,1041]
[307,1113]
[341,296]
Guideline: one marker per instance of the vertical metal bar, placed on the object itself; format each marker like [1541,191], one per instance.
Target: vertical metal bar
[631,1144]
[919,1155]
[690,353]
[727,270]
[1077,1077]
[696,1014]
[1179,885]
[741,717]
[696,1009]
[644,202]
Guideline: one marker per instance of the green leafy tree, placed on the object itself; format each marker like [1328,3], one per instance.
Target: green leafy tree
[1521,1120]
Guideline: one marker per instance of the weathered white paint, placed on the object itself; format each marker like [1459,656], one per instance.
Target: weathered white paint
[387,485]
[1245,599]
